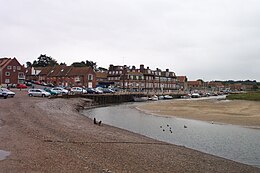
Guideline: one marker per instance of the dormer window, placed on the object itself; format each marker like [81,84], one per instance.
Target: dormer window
[9,67]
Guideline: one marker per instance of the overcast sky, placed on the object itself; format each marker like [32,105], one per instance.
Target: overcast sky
[202,39]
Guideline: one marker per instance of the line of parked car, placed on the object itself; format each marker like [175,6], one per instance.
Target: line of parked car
[62,91]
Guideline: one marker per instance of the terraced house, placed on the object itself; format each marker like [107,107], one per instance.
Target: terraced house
[142,79]
[11,72]
[68,76]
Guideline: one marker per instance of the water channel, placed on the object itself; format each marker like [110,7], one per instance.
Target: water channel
[228,141]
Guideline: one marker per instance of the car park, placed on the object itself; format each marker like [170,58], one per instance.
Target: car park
[3,94]
[78,90]
[9,93]
[38,93]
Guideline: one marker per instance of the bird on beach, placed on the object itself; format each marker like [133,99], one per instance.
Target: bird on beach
[99,123]
[95,121]
[185,126]
[163,130]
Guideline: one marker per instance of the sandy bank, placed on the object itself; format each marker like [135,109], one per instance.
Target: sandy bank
[237,112]
[49,135]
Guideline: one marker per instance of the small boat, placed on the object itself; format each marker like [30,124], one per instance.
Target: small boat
[140,99]
[168,97]
[154,98]
[161,97]
[195,95]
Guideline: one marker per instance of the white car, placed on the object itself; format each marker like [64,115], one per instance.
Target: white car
[38,93]
[60,90]
[10,93]
[98,91]
[78,90]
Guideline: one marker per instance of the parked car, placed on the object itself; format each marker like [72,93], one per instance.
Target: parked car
[98,91]
[28,83]
[78,90]
[52,92]
[91,90]
[107,90]
[21,86]
[50,85]
[3,94]
[44,84]
[38,92]
[60,90]
[37,82]
[9,93]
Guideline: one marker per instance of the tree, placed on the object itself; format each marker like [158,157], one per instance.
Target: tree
[28,64]
[91,64]
[79,64]
[44,60]
[101,69]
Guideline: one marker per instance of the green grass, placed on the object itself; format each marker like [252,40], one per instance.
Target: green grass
[253,96]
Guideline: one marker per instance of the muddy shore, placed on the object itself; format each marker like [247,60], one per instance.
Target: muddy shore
[236,112]
[49,135]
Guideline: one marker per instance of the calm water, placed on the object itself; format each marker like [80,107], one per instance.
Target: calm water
[228,141]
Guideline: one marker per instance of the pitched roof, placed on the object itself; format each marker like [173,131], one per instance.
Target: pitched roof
[46,70]
[4,62]
[77,71]
[194,82]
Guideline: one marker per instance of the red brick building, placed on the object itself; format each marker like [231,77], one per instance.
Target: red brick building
[11,72]
[68,76]
[195,85]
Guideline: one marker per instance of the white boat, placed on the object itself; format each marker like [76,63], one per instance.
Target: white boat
[195,95]
[154,98]
[168,97]
[161,97]
[140,99]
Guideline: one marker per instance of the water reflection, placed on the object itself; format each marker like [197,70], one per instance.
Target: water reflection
[228,141]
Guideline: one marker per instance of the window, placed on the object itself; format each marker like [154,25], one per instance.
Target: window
[14,67]
[90,77]
[18,67]
[77,79]
[7,80]
[7,73]
[9,67]
[21,75]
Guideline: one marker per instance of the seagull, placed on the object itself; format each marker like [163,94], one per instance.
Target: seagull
[185,126]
